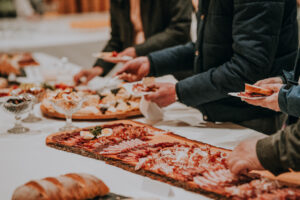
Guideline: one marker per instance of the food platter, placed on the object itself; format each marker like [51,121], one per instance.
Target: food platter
[169,158]
[111,104]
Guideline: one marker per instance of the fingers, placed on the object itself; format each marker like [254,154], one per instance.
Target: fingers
[275,87]
[239,167]
[235,163]
[125,68]
[128,77]
[253,102]
[122,53]
[273,80]
[78,76]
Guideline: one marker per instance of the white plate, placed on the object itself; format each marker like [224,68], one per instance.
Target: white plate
[106,56]
[236,94]
[129,88]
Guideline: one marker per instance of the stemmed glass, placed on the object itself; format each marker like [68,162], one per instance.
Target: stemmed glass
[36,94]
[17,105]
[67,105]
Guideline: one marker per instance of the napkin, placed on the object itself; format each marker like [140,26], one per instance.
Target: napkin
[151,111]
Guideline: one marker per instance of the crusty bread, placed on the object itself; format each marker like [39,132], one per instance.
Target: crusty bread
[257,90]
[66,187]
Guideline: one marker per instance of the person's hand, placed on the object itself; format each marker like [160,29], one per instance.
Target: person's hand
[270,102]
[88,74]
[273,80]
[164,96]
[135,70]
[244,158]
[130,51]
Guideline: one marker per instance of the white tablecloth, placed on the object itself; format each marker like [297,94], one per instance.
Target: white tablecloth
[26,157]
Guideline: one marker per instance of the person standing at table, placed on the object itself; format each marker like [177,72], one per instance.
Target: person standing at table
[139,27]
[280,152]
[238,42]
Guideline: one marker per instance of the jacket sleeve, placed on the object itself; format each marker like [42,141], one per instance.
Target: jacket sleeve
[289,100]
[172,59]
[255,32]
[280,152]
[114,44]
[177,32]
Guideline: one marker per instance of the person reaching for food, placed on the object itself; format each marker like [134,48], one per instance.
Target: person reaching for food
[251,42]
[141,27]
[280,152]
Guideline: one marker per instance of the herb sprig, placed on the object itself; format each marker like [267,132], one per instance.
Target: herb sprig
[96,131]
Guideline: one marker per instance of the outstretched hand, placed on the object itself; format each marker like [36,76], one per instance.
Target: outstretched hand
[270,102]
[135,70]
[164,96]
[88,74]
[244,158]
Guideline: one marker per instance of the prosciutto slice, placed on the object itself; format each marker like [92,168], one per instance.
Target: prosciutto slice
[123,147]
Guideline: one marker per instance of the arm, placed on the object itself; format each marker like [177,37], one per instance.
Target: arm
[255,32]
[177,32]
[172,59]
[114,44]
[281,152]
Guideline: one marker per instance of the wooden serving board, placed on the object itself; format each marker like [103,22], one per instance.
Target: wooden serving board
[90,116]
[158,137]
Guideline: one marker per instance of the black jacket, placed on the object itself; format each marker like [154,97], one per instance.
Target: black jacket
[166,23]
[239,41]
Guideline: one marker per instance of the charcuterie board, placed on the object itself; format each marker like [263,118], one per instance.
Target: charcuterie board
[170,158]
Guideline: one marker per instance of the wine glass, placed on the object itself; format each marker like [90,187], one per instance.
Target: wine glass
[67,105]
[36,94]
[17,105]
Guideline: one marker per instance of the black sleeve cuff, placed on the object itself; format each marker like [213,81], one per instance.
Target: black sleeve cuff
[177,91]
[268,156]
[152,69]
[282,100]
[141,50]
[283,79]
[288,78]
[104,65]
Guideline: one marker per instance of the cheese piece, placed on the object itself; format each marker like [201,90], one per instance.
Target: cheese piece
[86,135]
[105,132]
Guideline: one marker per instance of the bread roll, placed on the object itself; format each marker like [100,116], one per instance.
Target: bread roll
[65,187]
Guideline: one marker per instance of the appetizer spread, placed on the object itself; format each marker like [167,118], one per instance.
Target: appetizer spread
[170,158]
[109,104]
[14,62]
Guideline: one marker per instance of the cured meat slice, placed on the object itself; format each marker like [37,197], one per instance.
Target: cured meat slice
[123,147]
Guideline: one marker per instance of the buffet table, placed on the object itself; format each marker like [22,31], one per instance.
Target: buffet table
[25,157]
